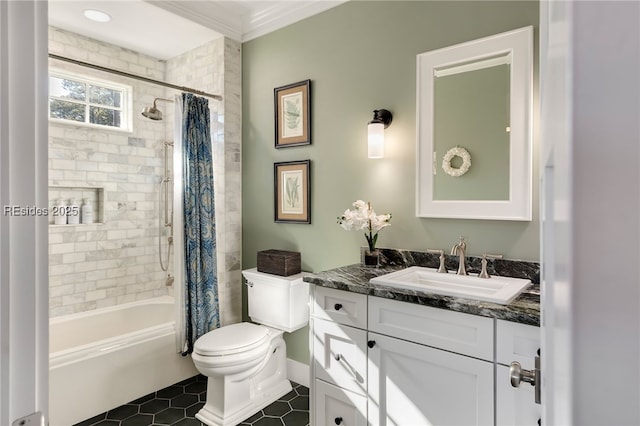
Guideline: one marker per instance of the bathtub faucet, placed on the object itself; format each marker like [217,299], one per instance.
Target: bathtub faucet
[170,280]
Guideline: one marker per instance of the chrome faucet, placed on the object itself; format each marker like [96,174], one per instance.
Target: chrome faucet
[459,250]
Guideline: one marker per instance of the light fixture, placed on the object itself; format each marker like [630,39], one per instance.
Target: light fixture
[381,120]
[96,15]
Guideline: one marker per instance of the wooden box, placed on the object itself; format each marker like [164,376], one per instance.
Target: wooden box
[279,262]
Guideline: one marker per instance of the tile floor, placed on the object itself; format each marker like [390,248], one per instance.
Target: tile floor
[177,405]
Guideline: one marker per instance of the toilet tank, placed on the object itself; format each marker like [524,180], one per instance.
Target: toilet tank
[276,301]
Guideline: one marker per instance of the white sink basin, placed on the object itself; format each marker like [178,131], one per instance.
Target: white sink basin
[501,290]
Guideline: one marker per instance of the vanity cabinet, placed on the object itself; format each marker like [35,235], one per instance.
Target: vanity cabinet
[515,342]
[378,361]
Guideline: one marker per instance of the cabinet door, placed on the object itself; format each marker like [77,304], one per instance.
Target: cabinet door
[340,355]
[514,406]
[411,384]
[336,406]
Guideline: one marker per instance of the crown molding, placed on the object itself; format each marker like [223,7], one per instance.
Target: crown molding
[243,21]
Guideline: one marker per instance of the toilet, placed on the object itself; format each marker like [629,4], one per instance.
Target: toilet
[246,363]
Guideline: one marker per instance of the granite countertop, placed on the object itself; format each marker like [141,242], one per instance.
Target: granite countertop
[355,278]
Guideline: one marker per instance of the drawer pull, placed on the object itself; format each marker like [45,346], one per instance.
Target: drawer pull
[337,357]
[337,306]
[337,420]
[371,343]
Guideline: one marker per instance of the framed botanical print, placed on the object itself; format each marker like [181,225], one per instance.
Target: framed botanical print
[292,114]
[291,192]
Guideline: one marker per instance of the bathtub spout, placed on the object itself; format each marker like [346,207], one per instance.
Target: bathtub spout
[170,280]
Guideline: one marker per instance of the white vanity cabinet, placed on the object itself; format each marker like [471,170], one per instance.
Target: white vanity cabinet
[515,342]
[378,361]
[430,367]
[338,358]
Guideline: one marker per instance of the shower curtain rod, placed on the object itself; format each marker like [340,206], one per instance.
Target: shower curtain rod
[137,77]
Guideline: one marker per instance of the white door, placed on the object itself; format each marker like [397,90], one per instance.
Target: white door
[590,140]
[23,228]
[411,384]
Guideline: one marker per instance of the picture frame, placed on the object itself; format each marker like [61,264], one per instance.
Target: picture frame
[292,201]
[292,114]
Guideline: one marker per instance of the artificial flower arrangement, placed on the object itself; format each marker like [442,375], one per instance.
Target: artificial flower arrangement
[363,218]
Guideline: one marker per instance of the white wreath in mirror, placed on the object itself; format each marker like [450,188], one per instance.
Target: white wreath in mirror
[456,152]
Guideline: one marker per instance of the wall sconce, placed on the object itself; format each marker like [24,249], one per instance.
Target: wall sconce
[381,120]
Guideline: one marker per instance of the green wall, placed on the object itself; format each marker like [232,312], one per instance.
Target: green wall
[361,56]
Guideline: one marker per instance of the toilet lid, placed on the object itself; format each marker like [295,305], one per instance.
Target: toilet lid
[231,339]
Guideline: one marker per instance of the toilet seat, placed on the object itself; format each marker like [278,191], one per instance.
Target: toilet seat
[233,339]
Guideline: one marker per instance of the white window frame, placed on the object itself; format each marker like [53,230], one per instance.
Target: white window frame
[126,118]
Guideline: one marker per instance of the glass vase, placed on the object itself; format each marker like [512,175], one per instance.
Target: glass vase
[371,259]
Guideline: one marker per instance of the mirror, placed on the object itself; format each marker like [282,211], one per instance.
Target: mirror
[474,115]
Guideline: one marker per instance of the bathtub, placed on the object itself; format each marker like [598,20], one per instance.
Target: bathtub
[101,359]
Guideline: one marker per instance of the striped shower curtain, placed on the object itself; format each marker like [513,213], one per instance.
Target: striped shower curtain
[200,274]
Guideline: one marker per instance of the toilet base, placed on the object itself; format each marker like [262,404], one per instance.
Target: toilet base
[235,397]
[208,417]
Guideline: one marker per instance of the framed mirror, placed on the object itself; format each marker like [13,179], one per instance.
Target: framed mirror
[474,118]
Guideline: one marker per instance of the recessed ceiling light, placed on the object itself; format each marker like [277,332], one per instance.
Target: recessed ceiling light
[97,15]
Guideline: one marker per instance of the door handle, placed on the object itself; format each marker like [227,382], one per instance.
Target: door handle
[517,375]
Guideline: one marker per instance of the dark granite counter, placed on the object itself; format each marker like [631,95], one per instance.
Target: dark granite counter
[355,278]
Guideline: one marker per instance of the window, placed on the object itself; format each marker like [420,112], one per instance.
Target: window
[80,100]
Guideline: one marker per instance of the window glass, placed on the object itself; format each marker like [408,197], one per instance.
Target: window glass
[77,99]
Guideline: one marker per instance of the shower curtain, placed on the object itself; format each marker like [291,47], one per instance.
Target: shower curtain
[200,272]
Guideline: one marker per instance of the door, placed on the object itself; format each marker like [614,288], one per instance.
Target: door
[23,224]
[412,384]
[590,63]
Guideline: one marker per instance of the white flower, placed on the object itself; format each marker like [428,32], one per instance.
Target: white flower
[363,218]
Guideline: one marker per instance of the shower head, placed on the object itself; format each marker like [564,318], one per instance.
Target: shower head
[153,112]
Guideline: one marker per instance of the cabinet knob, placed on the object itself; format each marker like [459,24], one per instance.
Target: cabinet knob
[337,306]
[371,343]
[539,422]
[337,420]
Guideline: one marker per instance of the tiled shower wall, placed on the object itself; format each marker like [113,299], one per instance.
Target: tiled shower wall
[116,261]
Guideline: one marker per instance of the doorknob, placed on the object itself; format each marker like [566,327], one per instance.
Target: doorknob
[517,375]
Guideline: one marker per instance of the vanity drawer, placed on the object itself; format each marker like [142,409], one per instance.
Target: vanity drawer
[517,342]
[335,406]
[340,306]
[452,331]
[340,355]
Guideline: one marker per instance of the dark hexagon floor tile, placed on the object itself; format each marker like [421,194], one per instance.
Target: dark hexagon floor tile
[269,421]
[302,390]
[254,418]
[169,392]
[108,423]
[188,422]
[289,396]
[154,406]
[192,410]
[300,403]
[169,416]
[296,418]
[122,412]
[138,420]
[277,409]
[187,381]
[184,400]
[196,387]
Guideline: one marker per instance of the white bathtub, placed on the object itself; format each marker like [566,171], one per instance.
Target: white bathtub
[102,359]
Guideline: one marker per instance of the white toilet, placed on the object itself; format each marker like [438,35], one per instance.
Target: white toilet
[246,363]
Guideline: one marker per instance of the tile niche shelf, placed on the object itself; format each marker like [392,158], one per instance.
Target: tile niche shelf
[93,194]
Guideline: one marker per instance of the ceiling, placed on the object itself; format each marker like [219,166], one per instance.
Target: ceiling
[167,28]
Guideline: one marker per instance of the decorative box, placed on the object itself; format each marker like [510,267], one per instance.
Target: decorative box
[279,262]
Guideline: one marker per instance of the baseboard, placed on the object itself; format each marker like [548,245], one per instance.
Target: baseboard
[298,372]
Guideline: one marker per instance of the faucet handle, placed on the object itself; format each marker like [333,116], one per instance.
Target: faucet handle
[441,268]
[484,273]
